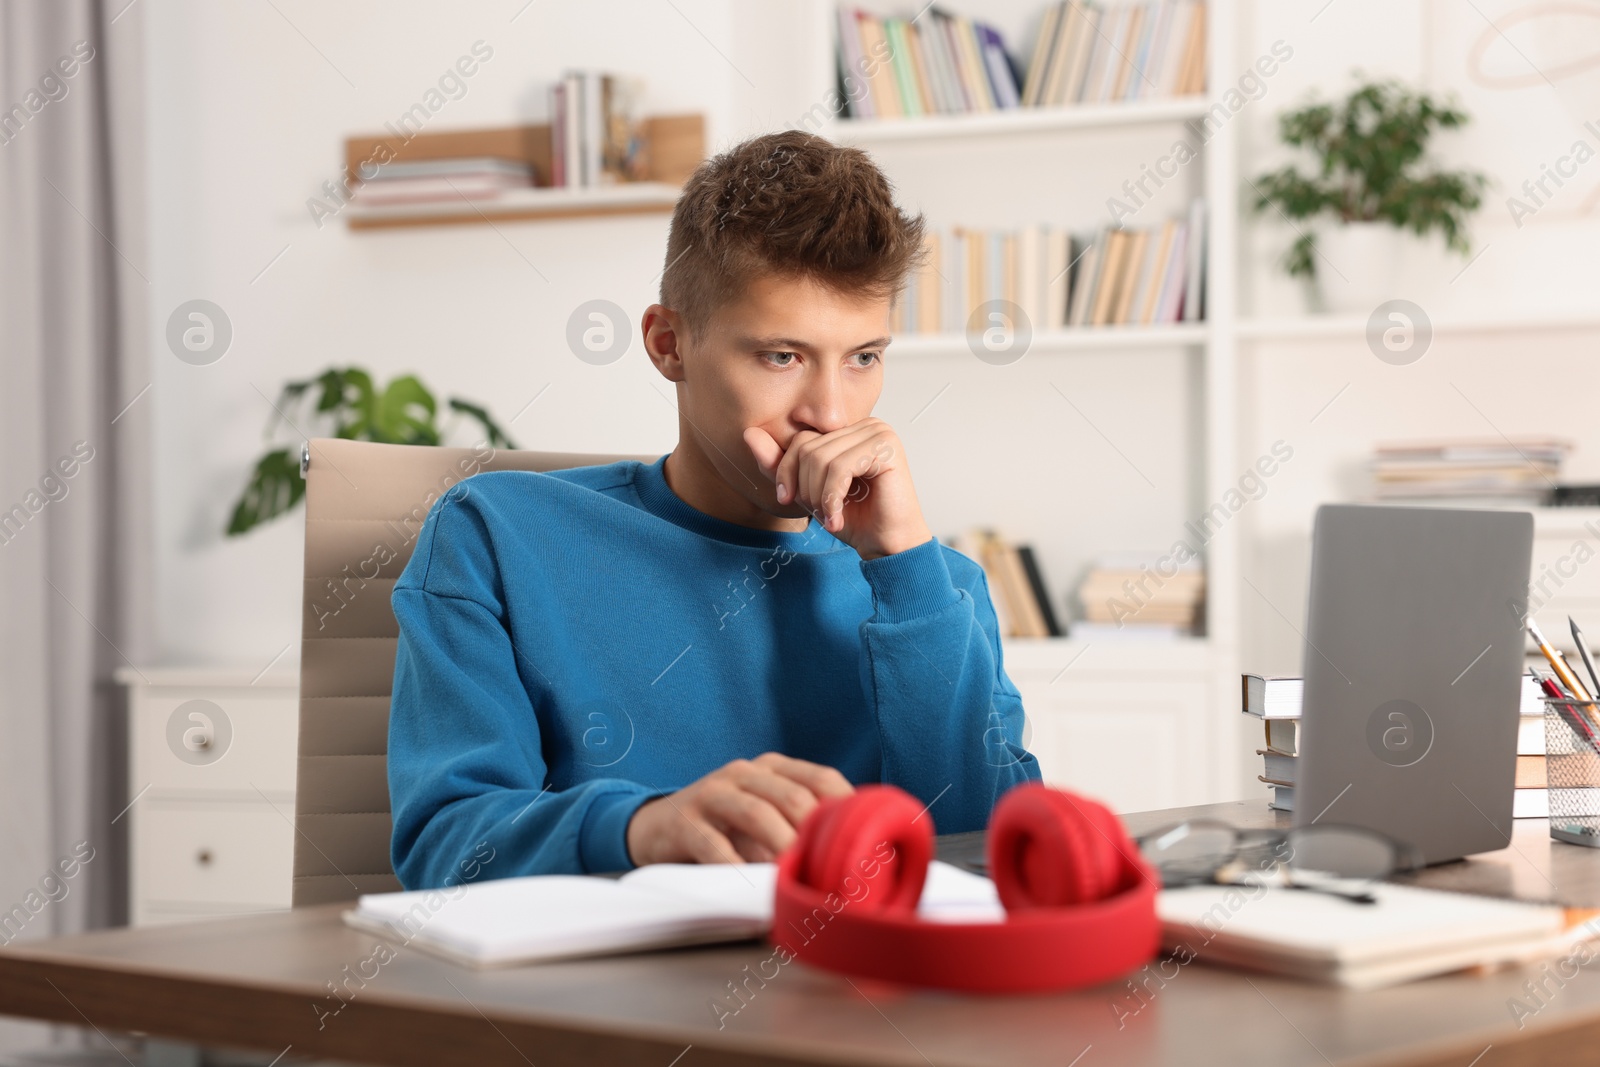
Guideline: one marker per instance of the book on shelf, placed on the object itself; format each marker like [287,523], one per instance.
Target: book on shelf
[1057,279]
[1128,592]
[432,180]
[1277,702]
[1511,471]
[592,136]
[935,63]
[1017,587]
[1092,53]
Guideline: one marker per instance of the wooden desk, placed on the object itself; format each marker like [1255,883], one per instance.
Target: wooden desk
[263,981]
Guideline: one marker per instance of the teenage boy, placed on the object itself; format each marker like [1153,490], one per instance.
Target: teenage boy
[676,661]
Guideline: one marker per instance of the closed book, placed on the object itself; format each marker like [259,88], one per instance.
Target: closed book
[997,64]
[905,77]
[936,39]
[1194,287]
[964,32]
[1154,275]
[853,65]
[1128,47]
[1001,561]
[1170,304]
[1101,58]
[1193,81]
[1082,285]
[973,545]
[558,134]
[1132,270]
[875,43]
[1110,274]
[1283,735]
[1272,698]
[1176,51]
[1086,20]
[1041,594]
[1043,47]
[926,63]
[929,310]
[1277,767]
[1058,279]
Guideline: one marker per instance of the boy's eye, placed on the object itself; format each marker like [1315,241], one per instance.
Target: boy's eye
[871,358]
[769,356]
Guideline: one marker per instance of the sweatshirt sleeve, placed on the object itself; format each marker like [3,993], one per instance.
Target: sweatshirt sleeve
[466,774]
[949,720]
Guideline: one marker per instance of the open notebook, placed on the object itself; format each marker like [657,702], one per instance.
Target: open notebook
[549,917]
[1409,933]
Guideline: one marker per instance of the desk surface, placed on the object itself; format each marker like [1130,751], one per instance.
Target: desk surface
[264,981]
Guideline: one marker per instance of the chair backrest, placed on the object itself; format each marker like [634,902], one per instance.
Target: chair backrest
[365,506]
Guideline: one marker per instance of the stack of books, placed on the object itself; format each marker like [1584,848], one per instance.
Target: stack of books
[1276,702]
[1515,472]
[1089,53]
[1016,585]
[1119,276]
[1128,594]
[937,64]
[592,136]
[442,180]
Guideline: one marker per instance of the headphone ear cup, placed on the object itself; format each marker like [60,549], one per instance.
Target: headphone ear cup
[1050,848]
[876,838]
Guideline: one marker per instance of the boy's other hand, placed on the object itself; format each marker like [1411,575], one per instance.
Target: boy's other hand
[744,810]
[854,481]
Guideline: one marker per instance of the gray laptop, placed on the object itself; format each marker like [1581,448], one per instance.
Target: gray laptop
[1413,664]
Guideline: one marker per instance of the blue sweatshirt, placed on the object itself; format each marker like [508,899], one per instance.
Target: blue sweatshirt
[576,642]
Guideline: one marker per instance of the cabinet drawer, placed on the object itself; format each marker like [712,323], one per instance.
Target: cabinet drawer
[237,854]
[259,754]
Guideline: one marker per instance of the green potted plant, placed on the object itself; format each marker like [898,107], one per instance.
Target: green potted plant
[1372,179]
[350,406]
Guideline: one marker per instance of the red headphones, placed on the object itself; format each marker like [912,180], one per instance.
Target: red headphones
[1079,899]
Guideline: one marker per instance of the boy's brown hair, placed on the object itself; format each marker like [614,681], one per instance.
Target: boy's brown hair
[791,204]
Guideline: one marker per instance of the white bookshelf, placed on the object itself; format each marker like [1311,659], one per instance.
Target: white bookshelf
[1144,723]
[1017,120]
[1085,339]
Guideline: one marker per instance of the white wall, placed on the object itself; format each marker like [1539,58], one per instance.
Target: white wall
[248,117]
[249,110]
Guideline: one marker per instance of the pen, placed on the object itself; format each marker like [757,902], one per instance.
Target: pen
[1583,652]
[1558,664]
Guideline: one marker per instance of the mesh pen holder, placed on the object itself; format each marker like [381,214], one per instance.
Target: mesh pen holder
[1572,762]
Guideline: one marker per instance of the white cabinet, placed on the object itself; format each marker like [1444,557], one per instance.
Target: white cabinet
[211,791]
[1121,721]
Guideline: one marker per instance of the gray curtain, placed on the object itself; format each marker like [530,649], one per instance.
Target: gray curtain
[75,481]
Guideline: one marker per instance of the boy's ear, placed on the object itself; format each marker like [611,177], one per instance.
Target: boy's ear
[662,329]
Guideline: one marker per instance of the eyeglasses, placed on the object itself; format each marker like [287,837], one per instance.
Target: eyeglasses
[1310,858]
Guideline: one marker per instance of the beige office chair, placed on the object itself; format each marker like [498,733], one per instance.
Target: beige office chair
[365,505]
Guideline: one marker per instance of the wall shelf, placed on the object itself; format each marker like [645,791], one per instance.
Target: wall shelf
[523,205]
[1018,120]
[672,147]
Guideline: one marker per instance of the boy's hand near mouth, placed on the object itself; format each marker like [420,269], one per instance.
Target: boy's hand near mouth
[854,481]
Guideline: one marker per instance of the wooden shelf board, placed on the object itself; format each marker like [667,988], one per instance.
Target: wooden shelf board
[1077,339]
[632,198]
[1018,120]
